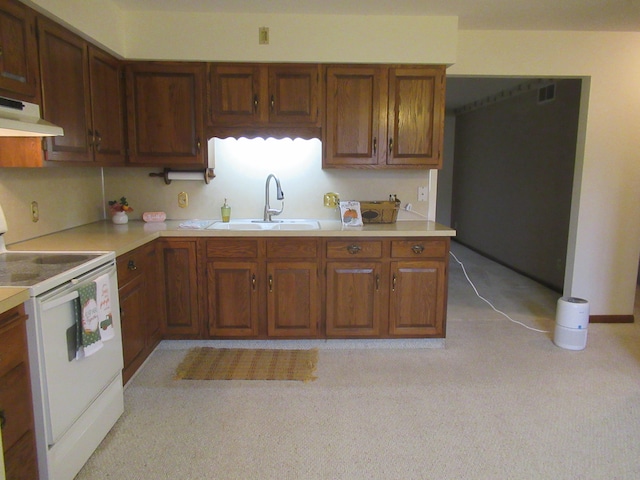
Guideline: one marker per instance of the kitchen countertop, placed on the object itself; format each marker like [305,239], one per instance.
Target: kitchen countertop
[106,236]
[12,297]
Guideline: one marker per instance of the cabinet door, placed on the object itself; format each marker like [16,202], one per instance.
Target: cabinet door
[354,299]
[292,299]
[18,51]
[16,409]
[132,318]
[152,305]
[294,92]
[65,86]
[107,107]
[235,94]
[233,298]
[355,117]
[416,116]
[179,288]
[166,122]
[418,298]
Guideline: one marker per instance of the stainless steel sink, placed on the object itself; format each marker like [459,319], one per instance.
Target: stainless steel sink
[258,225]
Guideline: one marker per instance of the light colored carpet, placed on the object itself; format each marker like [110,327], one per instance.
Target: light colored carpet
[498,402]
[206,363]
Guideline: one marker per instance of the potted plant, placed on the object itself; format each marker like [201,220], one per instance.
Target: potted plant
[119,209]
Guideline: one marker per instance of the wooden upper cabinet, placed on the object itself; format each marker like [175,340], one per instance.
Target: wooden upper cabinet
[65,87]
[415,116]
[384,117]
[83,94]
[107,107]
[165,114]
[355,116]
[18,52]
[259,95]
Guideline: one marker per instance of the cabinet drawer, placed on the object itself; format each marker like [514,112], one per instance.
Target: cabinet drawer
[287,248]
[354,249]
[13,347]
[244,248]
[418,248]
[130,265]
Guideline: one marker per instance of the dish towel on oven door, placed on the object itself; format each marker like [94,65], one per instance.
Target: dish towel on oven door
[89,323]
[103,297]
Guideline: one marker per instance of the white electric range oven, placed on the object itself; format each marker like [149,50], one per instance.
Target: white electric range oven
[77,399]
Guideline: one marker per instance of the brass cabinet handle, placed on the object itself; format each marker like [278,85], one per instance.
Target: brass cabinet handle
[198,145]
[270,283]
[255,102]
[353,249]
[97,140]
[3,419]
[393,284]
[253,281]
[273,103]
[417,249]
[375,145]
[132,265]
[390,146]
[377,282]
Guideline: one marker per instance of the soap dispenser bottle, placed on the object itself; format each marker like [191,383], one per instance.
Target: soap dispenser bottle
[226,211]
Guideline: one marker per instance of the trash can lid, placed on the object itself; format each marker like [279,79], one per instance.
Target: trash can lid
[574,300]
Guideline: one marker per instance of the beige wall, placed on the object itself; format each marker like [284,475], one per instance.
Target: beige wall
[605,239]
[242,167]
[67,197]
[604,242]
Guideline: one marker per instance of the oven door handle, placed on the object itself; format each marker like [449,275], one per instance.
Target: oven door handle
[54,302]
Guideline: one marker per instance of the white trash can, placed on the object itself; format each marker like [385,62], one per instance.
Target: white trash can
[572,321]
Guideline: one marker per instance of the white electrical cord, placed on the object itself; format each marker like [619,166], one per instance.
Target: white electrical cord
[464,270]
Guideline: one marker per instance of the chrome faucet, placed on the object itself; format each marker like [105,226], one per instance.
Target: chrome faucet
[268,211]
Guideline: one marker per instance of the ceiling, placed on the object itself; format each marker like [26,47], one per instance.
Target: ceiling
[579,15]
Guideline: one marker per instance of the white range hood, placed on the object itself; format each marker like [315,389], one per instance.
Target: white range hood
[22,119]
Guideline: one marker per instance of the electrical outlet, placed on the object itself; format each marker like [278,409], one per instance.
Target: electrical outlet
[263,36]
[183,200]
[35,211]
[422,194]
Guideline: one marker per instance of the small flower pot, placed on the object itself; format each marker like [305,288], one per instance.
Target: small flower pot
[119,218]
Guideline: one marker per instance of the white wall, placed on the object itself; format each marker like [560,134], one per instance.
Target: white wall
[602,262]
[312,38]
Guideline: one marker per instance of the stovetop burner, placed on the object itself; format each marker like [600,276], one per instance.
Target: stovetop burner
[23,269]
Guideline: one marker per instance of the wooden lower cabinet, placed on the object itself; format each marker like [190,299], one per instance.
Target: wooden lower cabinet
[233,298]
[139,315]
[417,298]
[418,283]
[178,291]
[294,287]
[354,299]
[260,288]
[16,408]
[292,299]
[386,288]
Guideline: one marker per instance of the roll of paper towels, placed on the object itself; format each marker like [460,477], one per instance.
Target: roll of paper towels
[200,176]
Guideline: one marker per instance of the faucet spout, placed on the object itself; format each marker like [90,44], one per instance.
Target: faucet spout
[268,211]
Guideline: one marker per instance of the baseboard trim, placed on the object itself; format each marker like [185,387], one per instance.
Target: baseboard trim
[611,319]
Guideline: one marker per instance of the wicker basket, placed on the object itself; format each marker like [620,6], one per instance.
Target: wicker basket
[379,212]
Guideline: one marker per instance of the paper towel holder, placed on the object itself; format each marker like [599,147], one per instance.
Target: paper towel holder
[205,174]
